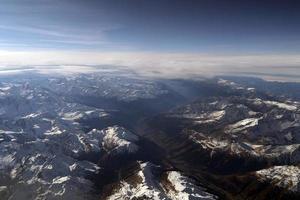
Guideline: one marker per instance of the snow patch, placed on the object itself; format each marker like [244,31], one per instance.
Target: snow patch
[282,105]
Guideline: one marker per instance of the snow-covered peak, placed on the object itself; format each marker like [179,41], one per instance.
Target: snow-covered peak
[184,188]
[119,140]
[283,176]
[149,183]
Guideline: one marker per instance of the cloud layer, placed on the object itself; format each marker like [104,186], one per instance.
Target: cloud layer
[274,67]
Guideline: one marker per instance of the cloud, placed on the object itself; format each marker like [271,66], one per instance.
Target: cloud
[59,36]
[34,30]
[79,42]
[67,35]
[283,67]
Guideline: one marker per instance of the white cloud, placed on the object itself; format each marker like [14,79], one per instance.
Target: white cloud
[58,34]
[35,30]
[279,67]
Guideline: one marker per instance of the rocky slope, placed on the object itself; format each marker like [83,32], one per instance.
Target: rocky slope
[122,136]
[150,182]
[58,142]
[238,137]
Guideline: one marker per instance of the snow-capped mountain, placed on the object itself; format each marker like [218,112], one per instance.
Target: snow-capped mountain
[240,134]
[149,182]
[117,135]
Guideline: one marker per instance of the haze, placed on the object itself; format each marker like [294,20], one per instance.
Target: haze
[165,38]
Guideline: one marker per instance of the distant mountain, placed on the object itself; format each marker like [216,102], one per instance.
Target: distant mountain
[117,135]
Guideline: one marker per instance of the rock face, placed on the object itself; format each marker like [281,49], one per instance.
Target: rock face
[119,136]
[119,140]
[182,187]
[245,125]
[45,151]
[55,136]
[282,176]
[149,182]
[238,133]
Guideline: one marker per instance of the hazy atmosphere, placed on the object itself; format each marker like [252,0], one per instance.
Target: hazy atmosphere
[166,38]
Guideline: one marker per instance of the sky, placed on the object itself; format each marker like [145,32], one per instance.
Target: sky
[237,32]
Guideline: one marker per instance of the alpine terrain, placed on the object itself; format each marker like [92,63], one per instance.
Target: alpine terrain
[120,135]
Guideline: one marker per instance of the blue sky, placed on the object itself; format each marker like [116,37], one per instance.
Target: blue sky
[205,26]
[171,36]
